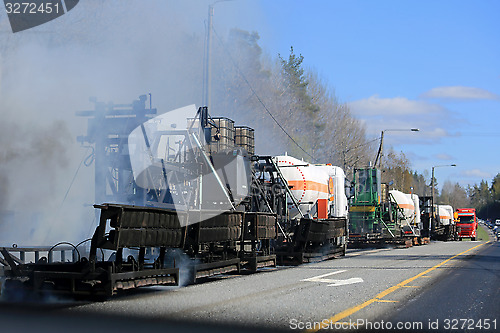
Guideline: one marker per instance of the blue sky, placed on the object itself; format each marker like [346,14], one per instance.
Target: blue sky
[398,64]
[433,65]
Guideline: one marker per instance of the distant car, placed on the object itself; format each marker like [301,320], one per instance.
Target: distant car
[497,222]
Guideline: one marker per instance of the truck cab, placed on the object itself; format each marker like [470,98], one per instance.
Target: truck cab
[466,223]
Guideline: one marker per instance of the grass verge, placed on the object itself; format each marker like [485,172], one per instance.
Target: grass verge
[482,234]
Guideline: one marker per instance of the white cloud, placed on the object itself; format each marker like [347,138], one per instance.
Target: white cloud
[379,114]
[397,106]
[460,92]
[436,132]
[476,173]
[444,157]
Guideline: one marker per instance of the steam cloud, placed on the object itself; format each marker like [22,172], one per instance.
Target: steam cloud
[114,50]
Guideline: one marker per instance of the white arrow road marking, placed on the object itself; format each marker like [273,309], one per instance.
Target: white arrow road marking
[334,282]
[344,282]
[319,278]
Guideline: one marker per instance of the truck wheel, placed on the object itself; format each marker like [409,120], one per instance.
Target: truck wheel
[473,238]
[460,239]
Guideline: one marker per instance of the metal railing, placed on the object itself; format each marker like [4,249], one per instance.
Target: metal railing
[22,255]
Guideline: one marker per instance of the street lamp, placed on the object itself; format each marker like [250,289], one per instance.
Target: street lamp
[432,189]
[432,179]
[380,148]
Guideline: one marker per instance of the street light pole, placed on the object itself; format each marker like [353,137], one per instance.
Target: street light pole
[431,226]
[380,147]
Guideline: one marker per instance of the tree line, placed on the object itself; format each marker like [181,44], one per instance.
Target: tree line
[294,110]
[289,105]
[486,199]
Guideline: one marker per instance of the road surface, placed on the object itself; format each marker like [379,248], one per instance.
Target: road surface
[467,299]
[365,286]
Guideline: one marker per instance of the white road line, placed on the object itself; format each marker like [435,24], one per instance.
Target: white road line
[334,282]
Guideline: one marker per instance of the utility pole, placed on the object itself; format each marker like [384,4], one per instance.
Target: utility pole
[381,146]
[432,192]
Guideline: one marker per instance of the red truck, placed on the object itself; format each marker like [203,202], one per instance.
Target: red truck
[466,222]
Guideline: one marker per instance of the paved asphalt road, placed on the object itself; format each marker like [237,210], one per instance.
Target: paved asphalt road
[467,299]
[363,287]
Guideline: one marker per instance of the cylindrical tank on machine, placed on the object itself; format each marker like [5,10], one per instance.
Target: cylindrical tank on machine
[445,214]
[310,182]
[336,190]
[406,205]
[416,205]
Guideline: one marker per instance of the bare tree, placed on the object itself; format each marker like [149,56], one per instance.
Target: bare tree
[454,195]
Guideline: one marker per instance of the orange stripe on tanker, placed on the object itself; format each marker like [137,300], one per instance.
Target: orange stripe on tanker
[308,185]
[311,182]
[406,206]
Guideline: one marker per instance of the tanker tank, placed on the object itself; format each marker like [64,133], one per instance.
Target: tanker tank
[445,214]
[310,182]
[406,212]
[416,214]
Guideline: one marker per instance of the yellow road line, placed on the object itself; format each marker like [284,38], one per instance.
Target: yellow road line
[386,292]
[386,301]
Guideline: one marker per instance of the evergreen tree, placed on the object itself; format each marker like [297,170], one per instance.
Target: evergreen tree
[306,126]
[495,188]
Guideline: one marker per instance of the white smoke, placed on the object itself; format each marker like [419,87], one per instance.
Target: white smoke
[114,50]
